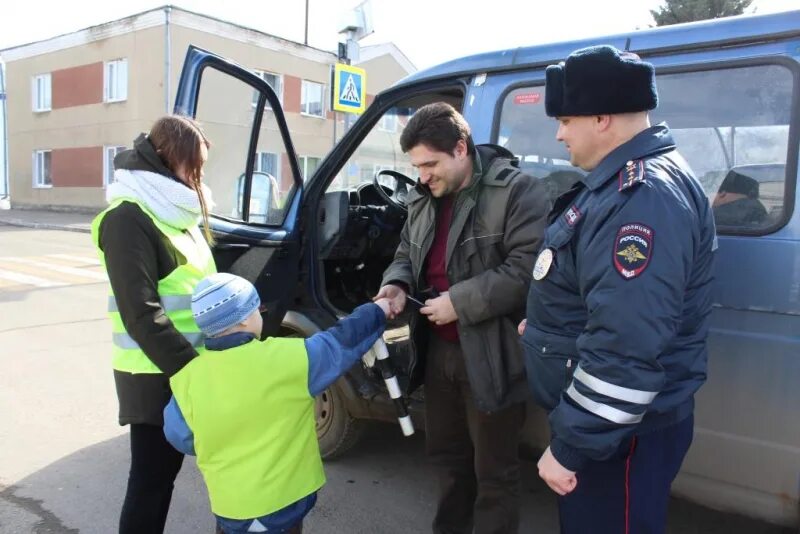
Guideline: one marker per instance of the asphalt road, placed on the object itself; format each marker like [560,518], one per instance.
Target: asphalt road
[63,459]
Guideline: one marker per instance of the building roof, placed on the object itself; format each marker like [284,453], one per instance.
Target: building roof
[370,52]
[157,17]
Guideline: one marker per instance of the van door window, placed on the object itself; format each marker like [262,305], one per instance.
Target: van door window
[731,124]
[369,232]
[228,122]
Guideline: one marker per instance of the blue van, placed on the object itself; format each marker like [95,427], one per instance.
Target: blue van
[730,91]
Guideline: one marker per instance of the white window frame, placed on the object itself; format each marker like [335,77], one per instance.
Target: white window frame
[109,152]
[303,164]
[278,90]
[304,107]
[42,92]
[115,89]
[39,181]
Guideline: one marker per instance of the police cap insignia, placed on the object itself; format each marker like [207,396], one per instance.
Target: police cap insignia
[631,174]
[633,248]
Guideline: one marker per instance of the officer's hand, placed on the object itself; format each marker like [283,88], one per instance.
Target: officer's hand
[521,326]
[559,478]
[440,310]
[396,296]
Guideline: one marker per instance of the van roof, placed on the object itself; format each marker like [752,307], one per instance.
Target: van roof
[649,42]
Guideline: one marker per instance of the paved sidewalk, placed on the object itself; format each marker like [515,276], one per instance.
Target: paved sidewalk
[47,219]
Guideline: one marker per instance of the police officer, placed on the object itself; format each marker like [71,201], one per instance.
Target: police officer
[618,309]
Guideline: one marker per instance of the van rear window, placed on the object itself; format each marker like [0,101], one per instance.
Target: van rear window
[731,124]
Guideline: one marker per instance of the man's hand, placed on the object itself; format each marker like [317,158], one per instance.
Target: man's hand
[440,310]
[396,297]
[385,305]
[521,326]
[559,478]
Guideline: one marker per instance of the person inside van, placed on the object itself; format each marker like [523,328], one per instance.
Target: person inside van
[245,407]
[736,202]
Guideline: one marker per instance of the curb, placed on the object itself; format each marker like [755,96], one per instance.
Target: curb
[44,226]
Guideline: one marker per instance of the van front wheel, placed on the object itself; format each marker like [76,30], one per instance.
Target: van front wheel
[337,430]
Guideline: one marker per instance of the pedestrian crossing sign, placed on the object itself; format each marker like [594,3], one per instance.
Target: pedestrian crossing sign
[350,89]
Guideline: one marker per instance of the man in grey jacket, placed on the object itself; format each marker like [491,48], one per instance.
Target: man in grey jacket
[474,225]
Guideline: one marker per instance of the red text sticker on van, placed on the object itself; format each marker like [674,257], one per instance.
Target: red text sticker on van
[528,98]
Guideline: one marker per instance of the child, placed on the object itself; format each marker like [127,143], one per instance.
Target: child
[246,407]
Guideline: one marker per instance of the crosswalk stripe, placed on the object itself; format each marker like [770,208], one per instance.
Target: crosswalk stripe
[82,260]
[58,268]
[28,279]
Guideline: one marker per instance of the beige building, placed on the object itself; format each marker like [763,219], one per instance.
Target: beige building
[76,99]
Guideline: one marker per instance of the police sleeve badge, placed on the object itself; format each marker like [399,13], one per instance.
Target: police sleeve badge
[633,248]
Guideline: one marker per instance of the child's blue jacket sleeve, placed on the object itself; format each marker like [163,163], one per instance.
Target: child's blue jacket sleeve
[332,352]
[176,430]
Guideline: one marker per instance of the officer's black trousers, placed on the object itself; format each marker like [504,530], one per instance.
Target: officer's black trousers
[475,453]
[154,466]
[629,493]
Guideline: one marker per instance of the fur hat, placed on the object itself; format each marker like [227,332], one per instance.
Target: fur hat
[221,301]
[600,80]
[735,182]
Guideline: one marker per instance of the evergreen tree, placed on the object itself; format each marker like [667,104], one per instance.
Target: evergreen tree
[677,11]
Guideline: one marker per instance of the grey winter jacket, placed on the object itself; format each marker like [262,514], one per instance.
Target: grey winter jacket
[497,227]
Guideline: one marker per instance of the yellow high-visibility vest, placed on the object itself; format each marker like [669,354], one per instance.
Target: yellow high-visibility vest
[253,422]
[175,292]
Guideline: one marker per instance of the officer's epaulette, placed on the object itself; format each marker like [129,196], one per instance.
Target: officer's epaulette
[631,174]
[501,173]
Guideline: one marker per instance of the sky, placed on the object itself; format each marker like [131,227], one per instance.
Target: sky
[428,32]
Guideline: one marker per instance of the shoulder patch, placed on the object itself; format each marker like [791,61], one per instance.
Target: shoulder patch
[572,215]
[631,174]
[501,173]
[633,248]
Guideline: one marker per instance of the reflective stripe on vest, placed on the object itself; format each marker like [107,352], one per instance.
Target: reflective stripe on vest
[174,291]
[253,422]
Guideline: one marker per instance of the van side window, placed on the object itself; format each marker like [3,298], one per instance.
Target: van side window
[731,124]
[530,134]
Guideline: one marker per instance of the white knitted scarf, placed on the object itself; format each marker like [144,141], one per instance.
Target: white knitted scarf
[172,202]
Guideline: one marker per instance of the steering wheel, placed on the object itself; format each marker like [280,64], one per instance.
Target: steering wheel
[397,199]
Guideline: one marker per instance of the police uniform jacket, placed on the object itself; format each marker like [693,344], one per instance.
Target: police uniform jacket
[618,309]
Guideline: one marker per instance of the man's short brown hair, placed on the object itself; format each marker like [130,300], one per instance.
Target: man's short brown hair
[439,127]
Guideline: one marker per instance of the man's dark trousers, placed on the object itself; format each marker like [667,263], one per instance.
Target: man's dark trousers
[475,453]
[628,493]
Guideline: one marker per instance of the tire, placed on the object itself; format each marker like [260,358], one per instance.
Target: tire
[337,431]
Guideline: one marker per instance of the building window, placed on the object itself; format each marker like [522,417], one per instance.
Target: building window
[41,169]
[308,164]
[42,92]
[109,153]
[267,162]
[115,80]
[388,122]
[311,99]
[273,80]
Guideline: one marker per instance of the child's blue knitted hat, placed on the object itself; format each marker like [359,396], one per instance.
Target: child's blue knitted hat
[221,301]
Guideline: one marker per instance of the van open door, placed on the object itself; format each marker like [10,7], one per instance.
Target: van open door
[253,174]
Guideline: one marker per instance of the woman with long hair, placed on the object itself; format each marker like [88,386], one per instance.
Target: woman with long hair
[150,242]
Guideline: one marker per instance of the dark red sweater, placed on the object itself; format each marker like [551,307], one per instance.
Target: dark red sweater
[436,269]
